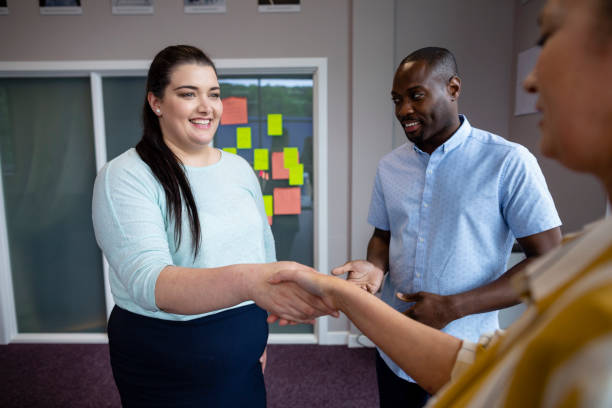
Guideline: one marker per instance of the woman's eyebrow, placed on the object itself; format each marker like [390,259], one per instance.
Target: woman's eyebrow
[195,88]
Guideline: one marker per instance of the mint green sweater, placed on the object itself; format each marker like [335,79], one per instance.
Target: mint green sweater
[133,230]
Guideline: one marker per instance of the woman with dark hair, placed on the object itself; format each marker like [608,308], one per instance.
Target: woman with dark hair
[559,353]
[184,230]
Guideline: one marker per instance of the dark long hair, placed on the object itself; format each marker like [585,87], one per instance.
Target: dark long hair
[166,166]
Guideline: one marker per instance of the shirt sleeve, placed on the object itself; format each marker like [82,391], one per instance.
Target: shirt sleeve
[130,229]
[527,205]
[377,216]
[469,352]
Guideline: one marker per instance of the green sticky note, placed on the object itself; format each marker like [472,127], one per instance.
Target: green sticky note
[296,175]
[268,205]
[243,137]
[260,159]
[275,124]
[292,156]
[230,150]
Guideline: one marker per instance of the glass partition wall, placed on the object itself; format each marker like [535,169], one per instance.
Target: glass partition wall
[57,128]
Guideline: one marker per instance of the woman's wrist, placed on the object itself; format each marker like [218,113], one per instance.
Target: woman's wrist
[250,277]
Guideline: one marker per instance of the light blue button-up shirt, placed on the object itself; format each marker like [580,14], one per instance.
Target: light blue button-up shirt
[453,216]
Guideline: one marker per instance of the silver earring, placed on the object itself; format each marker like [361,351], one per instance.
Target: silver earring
[157,110]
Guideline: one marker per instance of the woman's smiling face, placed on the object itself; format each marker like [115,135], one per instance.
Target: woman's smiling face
[190,109]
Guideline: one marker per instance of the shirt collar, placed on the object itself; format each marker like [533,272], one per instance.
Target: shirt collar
[459,136]
[547,274]
[455,140]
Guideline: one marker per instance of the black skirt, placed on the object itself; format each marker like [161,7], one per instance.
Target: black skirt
[212,361]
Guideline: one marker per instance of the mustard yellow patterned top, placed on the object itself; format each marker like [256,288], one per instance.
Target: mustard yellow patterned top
[559,353]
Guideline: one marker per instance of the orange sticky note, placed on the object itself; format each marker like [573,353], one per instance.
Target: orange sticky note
[287,201]
[269,220]
[279,172]
[234,111]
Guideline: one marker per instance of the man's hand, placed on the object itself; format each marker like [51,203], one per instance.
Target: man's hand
[363,274]
[433,310]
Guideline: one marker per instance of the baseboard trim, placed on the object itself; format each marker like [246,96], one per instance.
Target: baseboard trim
[92,338]
[280,338]
[335,338]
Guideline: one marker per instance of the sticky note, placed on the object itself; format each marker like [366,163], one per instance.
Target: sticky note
[275,124]
[296,175]
[268,205]
[291,156]
[230,150]
[234,111]
[269,220]
[243,137]
[279,172]
[287,201]
[260,159]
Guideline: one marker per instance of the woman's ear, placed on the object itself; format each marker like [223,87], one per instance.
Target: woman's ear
[454,87]
[154,103]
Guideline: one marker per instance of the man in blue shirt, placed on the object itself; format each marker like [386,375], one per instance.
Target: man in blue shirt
[446,209]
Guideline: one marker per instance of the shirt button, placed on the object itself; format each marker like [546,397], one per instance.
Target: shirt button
[420,239]
[428,171]
[425,205]
[418,275]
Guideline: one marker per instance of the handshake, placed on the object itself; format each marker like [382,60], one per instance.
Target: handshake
[294,293]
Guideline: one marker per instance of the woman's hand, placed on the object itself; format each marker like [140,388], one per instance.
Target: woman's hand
[287,301]
[311,281]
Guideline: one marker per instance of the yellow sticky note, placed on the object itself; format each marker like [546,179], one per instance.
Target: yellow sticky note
[292,156]
[296,175]
[243,137]
[275,124]
[260,159]
[268,205]
[230,150]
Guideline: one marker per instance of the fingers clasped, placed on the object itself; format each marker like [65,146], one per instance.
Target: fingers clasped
[296,296]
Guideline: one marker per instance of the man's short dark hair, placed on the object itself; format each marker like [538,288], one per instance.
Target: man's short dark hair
[441,60]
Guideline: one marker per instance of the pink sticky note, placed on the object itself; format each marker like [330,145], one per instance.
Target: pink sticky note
[279,172]
[287,201]
[234,111]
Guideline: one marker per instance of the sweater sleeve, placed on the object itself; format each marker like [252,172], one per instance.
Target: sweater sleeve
[130,229]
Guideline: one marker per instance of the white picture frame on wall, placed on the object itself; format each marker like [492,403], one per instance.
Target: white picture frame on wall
[133,7]
[278,6]
[60,7]
[204,6]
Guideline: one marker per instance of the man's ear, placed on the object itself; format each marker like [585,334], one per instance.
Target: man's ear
[154,102]
[454,87]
